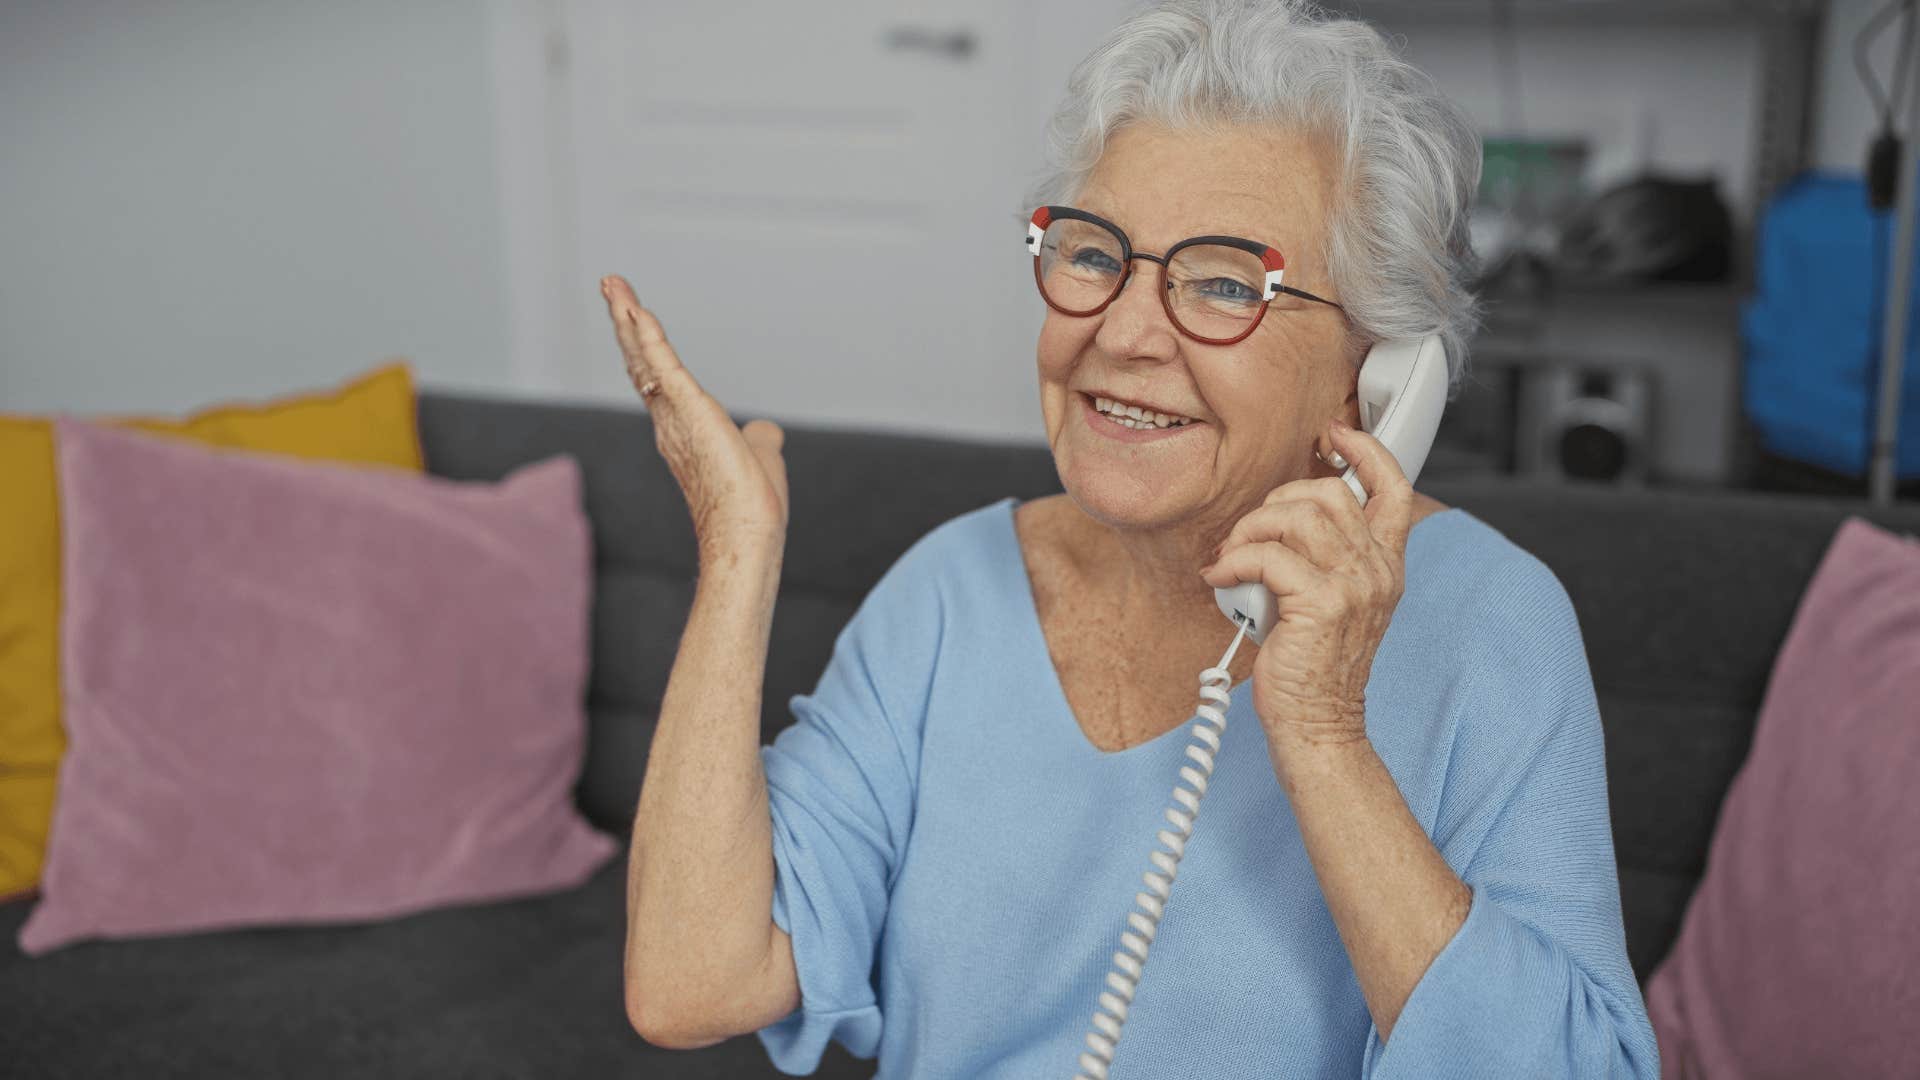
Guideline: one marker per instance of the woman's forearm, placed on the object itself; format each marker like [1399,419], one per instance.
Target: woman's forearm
[1395,901]
[700,876]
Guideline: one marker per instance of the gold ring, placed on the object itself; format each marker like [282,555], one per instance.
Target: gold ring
[649,388]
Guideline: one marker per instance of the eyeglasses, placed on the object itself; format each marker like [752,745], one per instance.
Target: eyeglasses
[1215,288]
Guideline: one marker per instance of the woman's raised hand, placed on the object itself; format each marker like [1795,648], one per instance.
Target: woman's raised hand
[733,478]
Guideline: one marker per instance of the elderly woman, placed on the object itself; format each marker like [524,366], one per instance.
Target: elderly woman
[1404,868]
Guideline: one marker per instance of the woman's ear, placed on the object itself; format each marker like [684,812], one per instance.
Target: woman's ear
[1350,408]
[1349,412]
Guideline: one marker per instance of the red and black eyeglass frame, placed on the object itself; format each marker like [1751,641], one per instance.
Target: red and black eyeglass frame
[1275,265]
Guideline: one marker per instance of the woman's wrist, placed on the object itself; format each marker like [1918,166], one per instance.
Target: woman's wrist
[1304,730]
[1303,757]
[755,553]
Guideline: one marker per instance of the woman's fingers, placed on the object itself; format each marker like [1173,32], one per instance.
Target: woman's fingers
[643,342]
[686,420]
[734,478]
[1284,571]
[766,438]
[1389,510]
[1309,518]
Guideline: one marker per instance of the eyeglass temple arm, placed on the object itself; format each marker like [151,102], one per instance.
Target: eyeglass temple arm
[1305,295]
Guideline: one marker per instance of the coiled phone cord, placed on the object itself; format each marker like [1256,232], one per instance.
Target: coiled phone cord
[1210,723]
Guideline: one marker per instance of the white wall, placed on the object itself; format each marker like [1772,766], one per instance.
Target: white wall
[203,200]
[1678,98]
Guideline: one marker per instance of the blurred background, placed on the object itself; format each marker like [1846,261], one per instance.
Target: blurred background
[205,200]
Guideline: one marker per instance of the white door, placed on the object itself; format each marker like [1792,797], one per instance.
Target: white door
[806,195]
[822,201]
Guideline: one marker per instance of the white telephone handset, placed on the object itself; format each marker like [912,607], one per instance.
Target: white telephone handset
[1403,391]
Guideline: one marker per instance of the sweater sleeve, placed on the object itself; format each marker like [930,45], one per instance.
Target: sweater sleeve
[841,785]
[1536,980]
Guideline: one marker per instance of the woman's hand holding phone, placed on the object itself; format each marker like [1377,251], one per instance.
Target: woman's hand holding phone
[1337,572]
[734,478]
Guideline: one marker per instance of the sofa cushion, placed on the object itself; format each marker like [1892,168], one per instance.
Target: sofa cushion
[1813,859]
[371,419]
[523,989]
[302,691]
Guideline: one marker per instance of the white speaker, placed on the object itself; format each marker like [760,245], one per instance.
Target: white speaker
[1586,422]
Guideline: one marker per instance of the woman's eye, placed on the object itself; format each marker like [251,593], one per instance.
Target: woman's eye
[1095,259]
[1229,289]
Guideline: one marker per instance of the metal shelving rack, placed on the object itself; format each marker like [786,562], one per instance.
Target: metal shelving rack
[1790,51]
[1882,466]
[1790,42]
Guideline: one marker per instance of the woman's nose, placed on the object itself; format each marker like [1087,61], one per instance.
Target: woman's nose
[1135,321]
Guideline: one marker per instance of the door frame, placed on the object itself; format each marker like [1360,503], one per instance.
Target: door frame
[530,66]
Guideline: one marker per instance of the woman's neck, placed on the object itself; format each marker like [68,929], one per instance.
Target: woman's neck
[1149,579]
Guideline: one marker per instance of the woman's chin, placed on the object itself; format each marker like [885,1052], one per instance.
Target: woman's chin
[1125,483]
[1121,498]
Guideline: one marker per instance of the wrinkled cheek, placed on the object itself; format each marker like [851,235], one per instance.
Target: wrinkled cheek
[1062,339]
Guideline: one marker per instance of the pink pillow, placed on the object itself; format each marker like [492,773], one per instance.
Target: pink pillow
[310,692]
[1797,954]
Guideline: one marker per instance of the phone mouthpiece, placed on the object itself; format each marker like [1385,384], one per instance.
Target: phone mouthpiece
[1250,605]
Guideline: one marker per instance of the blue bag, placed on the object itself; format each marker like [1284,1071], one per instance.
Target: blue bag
[1812,329]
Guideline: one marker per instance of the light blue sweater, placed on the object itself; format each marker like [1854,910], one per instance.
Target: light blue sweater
[956,861]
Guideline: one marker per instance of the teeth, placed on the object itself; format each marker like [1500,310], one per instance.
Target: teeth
[1134,416]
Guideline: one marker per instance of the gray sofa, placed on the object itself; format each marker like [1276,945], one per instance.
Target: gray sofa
[1683,600]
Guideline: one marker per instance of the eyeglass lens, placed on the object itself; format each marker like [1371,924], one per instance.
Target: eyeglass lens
[1214,290]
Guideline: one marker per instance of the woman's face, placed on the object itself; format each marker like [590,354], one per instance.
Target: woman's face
[1259,405]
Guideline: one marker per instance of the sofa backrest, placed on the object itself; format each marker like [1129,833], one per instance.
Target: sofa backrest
[1683,598]
[859,500]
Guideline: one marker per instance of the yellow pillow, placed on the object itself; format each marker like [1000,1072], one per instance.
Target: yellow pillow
[371,420]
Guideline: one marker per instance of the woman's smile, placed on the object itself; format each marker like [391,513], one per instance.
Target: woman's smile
[1113,428]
